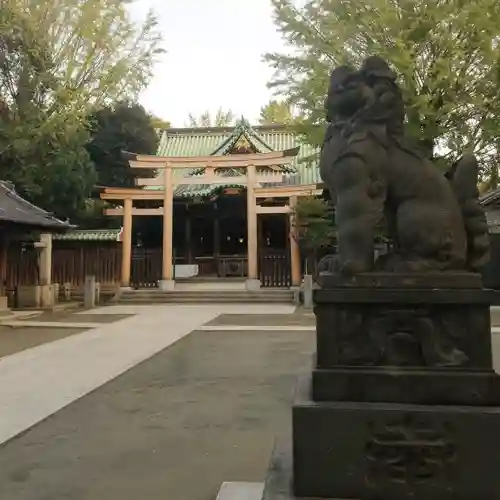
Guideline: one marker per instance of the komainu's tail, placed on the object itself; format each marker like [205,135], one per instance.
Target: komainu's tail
[464,175]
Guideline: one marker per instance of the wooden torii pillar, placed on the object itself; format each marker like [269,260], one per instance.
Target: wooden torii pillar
[166,182]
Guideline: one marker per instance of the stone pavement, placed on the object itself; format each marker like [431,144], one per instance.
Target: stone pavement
[39,381]
[178,425]
[204,411]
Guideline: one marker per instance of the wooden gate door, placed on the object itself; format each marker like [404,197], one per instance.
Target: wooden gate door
[275,270]
[274,251]
[146,267]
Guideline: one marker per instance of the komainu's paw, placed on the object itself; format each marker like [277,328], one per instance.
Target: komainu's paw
[328,265]
[332,264]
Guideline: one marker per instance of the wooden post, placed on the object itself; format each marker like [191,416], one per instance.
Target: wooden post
[188,244]
[167,281]
[4,251]
[253,282]
[126,242]
[89,295]
[216,246]
[294,246]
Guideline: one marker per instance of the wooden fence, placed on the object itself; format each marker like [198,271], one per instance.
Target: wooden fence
[22,267]
[72,265]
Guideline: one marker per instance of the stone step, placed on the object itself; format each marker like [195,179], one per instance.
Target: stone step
[205,300]
[208,293]
[187,293]
[150,296]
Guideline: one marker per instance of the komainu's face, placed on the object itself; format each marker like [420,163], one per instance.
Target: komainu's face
[346,94]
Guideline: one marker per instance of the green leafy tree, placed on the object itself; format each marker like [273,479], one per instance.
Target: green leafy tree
[159,123]
[223,118]
[97,51]
[315,225]
[446,53]
[118,128]
[41,138]
[58,59]
[276,113]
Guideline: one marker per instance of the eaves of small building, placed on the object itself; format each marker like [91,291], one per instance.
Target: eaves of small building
[16,212]
[81,235]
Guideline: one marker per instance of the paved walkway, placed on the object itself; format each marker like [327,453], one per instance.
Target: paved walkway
[37,382]
[206,410]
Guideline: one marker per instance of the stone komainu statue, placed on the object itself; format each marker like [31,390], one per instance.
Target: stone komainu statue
[376,178]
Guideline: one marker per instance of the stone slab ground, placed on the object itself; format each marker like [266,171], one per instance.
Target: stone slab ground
[37,382]
[19,338]
[204,411]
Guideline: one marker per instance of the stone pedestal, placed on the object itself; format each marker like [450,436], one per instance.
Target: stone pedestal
[308,291]
[166,285]
[402,401]
[4,305]
[55,290]
[252,285]
[89,293]
[67,291]
[28,296]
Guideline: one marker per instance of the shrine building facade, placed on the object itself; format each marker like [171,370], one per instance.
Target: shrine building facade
[215,202]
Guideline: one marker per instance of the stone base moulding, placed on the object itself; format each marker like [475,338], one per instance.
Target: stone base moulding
[384,450]
[4,303]
[407,386]
[36,296]
[240,491]
[252,285]
[166,285]
[47,295]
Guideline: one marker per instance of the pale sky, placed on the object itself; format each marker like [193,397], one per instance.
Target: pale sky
[214,57]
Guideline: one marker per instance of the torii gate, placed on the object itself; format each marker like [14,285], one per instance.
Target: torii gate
[166,183]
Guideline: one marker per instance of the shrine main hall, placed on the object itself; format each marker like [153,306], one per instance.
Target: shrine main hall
[216,203]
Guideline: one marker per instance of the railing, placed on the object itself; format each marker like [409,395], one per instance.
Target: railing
[207,265]
[232,265]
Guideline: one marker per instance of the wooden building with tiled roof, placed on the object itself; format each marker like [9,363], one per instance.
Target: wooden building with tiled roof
[19,218]
[208,185]
[19,215]
[239,139]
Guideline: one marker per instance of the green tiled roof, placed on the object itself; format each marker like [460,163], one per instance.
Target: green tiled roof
[90,235]
[219,140]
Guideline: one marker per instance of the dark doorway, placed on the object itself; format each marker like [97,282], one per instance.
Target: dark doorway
[233,235]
